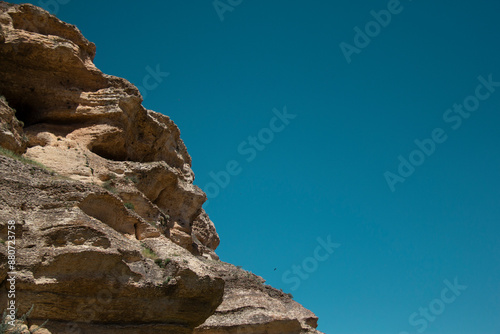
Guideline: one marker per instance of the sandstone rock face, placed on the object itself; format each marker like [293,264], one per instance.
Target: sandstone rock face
[112,236]
[11,133]
[250,306]
[79,266]
[92,127]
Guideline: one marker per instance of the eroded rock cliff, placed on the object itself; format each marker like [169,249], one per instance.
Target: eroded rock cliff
[111,233]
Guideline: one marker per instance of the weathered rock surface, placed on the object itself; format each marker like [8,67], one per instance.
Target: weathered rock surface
[111,236]
[90,126]
[77,264]
[11,129]
[250,306]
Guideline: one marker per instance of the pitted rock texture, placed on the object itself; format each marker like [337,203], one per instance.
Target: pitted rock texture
[78,265]
[111,233]
[251,306]
[92,127]
[11,129]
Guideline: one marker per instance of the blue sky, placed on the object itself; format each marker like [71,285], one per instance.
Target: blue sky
[322,175]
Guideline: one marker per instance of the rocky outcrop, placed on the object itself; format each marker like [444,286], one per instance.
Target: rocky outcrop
[112,236]
[251,306]
[11,129]
[92,127]
[79,264]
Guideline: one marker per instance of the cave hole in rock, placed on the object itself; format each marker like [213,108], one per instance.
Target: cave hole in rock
[110,152]
[25,112]
[110,145]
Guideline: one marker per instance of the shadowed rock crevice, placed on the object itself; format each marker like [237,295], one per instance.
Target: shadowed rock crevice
[24,112]
[110,146]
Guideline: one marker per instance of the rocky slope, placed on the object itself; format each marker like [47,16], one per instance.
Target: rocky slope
[111,234]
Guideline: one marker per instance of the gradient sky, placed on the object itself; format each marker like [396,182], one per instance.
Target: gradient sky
[322,174]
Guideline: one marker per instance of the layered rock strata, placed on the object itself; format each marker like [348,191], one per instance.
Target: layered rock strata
[111,233]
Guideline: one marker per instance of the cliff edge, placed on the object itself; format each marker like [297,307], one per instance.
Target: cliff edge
[111,236]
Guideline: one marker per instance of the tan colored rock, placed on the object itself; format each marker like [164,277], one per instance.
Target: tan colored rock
[11,133]
[76,267]
[39,330]
[86,125]
[250,306]
[19,328]
[204,230]
[113,238]
[110,210]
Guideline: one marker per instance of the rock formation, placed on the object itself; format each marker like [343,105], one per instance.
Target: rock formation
[111,233]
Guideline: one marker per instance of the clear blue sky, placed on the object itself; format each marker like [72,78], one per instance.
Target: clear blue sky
[322,174]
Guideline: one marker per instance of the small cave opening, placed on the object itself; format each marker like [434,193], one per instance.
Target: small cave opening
[24,110]
[110,152]
[25,113]
[109,142]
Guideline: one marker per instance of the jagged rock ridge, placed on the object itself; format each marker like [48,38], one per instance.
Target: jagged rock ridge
[112,236]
